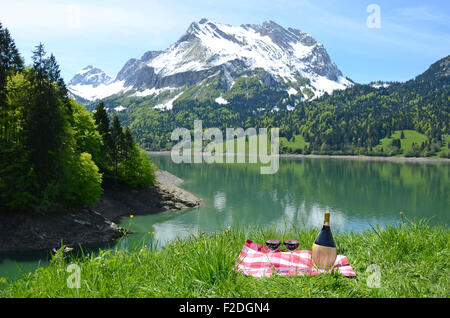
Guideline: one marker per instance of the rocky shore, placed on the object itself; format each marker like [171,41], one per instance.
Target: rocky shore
[35,230]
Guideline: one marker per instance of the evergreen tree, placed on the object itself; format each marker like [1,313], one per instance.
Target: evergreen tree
[126,143]
[422,146]
[101,119]
[116,140]
[10,58]
[54,76]
[103,127]
[45,121]
[10,61]
[396,143]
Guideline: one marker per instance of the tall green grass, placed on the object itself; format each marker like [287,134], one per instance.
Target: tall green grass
[413,258]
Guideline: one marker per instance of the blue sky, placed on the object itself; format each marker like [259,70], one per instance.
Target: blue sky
[412,34]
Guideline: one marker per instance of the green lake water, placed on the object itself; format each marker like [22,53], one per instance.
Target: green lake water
[357,193]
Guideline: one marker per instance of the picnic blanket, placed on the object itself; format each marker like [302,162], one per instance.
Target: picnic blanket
[255,260]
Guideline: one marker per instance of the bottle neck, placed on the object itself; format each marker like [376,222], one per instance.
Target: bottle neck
[326,219]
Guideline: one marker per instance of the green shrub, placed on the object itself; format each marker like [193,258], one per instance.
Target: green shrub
[84,181]
[137,170]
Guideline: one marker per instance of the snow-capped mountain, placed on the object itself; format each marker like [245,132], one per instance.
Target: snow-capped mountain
[278,55]
[91,83]
[90,76]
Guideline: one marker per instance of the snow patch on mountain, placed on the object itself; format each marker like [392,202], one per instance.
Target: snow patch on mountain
[153,91]
[92,93]
[292,91]
[119,108]
[220,100]
[380,85]
[325,85]
[289,107]
[169,104]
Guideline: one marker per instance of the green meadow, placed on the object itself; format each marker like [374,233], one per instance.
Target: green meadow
[412,137]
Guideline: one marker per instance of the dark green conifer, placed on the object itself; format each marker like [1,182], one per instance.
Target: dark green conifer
[116,137]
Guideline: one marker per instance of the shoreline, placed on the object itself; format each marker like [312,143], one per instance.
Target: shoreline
[346,157]
[36,231]
[164,195]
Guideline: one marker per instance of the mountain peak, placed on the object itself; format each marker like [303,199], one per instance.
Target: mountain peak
[271,24]
[90,75]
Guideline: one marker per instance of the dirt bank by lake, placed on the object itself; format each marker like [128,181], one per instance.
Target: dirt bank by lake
[33,230]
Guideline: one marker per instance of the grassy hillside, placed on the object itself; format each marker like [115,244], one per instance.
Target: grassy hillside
[413,259]
[412,138]
[293,146]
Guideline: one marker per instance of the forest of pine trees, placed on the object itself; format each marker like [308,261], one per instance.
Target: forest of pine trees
[53,152]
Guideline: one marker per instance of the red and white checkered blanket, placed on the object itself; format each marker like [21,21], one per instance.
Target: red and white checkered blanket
[255,260]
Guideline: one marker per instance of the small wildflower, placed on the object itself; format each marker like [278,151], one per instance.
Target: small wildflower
[194,231]
[54,250]
[131,216]
[401,213]
[153,233]
[87,254]
[385,243]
